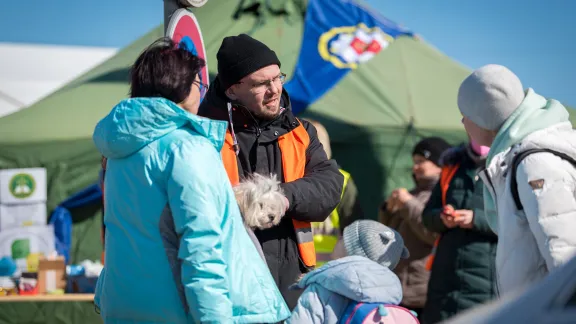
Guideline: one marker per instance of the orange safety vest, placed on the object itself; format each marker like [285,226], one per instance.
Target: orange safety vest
[446,176]
[293,147]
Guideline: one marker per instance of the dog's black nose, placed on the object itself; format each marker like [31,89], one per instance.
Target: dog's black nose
[271,217]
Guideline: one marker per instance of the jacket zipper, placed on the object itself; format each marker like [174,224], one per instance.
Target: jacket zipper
[487,180]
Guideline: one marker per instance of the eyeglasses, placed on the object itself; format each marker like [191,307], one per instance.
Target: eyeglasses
[203,87]
[265,85]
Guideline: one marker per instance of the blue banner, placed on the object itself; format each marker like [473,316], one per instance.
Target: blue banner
[338,36]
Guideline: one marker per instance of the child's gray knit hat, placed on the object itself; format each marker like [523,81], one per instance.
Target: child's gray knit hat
[375,241]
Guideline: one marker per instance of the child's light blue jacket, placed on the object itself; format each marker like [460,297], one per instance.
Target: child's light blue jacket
[332,287]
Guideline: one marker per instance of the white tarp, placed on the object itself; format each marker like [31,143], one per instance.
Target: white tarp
[29,72]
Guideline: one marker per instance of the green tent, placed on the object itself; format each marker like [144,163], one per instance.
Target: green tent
[374,115]
[377,113]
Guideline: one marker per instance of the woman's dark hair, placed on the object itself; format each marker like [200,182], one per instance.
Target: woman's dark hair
[165,70]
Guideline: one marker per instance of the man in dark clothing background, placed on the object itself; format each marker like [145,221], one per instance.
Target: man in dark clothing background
[248,93]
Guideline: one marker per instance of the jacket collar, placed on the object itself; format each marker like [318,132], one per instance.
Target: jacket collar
[462,154]
[426,184]
[136,122]
[534,114]
[559,137]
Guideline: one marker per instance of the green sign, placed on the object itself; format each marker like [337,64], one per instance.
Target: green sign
[22,185]
[20,249]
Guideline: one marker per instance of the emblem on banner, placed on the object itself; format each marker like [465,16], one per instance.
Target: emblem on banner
[348,46]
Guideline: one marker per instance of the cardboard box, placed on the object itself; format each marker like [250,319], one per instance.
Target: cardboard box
[15,216]
[26,244]
[51,274]
[23,186]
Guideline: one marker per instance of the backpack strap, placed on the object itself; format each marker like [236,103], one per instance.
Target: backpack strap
[356,312]
[516,162]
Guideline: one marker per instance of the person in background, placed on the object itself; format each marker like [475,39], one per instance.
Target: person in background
[264,137]
[530,184]
[176,247]
[402,211]
[327,233]
[362,273]
[462,263]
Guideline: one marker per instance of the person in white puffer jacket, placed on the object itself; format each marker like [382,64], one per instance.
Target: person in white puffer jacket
[537,232]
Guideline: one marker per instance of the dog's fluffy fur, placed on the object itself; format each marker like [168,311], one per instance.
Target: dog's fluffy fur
[261,201]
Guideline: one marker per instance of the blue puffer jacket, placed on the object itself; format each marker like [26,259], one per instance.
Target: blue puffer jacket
[332,287]
[176,247]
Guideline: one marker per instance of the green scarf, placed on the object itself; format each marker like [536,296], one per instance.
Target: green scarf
[534,113]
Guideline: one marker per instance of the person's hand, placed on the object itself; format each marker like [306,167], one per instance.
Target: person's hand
[398,199]
[391,203]
[464,218]
[448,217]
[403,195]
[448,221]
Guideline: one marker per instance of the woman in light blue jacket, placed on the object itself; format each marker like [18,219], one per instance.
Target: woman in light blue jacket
[176,247]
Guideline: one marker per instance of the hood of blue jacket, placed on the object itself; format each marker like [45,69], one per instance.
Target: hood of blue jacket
[357,278]
[137,122]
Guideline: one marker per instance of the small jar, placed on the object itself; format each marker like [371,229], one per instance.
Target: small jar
[7,287]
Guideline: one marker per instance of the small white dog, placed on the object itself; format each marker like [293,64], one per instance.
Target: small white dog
[261,201]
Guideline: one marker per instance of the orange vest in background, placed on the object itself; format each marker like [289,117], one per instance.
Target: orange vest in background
[293,147]
[446,176]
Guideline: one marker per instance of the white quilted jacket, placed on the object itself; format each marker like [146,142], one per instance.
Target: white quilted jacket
[542,237]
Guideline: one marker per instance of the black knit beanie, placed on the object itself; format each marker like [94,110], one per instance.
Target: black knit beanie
[431,148]
[240,56]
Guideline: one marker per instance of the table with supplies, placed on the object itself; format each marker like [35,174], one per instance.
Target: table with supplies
[34,279]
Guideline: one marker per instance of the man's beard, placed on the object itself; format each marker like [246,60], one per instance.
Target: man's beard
[262,115]
[268,115]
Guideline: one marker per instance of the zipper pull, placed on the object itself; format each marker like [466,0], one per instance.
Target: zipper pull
[382,310]
[258,132]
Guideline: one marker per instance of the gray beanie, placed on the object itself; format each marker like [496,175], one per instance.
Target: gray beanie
[376,242]
[490,95]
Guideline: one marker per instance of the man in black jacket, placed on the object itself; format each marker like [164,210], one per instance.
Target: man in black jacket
[248,93]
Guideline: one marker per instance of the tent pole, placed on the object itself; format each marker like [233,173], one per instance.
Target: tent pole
[170,6]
